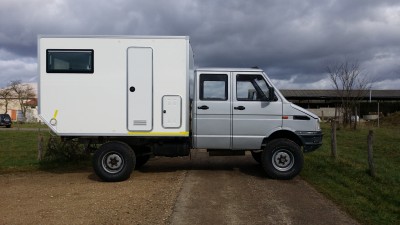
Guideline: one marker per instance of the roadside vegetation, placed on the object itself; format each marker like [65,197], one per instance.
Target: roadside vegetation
[19,150]
[345,180]
[29,125]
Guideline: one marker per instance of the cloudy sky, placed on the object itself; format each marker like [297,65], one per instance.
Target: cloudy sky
[293,41]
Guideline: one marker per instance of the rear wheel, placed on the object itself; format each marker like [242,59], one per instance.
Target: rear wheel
[114,161]
[282,159]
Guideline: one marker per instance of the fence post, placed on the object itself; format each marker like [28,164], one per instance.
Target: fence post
[355,118]
[40,147]
[370,140]
[379,114]
[333,139]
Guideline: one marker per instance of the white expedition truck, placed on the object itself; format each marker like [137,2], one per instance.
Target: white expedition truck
[137,97]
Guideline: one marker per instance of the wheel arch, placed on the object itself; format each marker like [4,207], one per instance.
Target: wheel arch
[288,134]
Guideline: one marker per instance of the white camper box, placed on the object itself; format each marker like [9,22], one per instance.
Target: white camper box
[121,86]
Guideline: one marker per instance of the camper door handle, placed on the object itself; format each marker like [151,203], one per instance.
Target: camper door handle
[132,89]
[204,107]
[240,108]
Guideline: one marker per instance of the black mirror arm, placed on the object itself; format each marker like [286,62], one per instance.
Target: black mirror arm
[271,94]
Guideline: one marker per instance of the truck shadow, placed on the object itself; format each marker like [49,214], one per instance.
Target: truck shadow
[235,164]
[201,161]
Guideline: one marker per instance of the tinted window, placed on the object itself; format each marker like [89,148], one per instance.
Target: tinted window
[213,87]
[69,61]
[5,117]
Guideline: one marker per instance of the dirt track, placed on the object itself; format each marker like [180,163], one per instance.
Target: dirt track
[204,190]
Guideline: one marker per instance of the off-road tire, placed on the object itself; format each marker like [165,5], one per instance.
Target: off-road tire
[282,159]
[114,161]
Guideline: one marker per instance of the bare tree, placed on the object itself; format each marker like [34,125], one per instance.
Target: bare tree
[6,95]
[350,83]
[23,93]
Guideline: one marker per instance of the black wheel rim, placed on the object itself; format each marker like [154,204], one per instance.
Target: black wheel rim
[112,162]
[283,160]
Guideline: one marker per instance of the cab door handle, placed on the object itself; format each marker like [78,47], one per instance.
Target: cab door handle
[204,107]
[240,108]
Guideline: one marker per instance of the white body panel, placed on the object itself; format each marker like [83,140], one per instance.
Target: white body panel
[96,104]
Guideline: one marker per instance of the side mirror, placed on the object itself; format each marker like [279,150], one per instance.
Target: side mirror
[271,94]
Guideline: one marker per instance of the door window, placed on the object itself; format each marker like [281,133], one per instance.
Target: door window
[251,88]
[213,87]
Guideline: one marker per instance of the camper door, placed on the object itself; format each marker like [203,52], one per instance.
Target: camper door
[140,89]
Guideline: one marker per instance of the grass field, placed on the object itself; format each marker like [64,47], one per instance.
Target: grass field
[29,125]
[345,180]
[19,149]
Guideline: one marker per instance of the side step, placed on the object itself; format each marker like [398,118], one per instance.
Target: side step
[218,152]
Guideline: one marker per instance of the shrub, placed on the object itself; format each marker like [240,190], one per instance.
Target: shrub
[64,150]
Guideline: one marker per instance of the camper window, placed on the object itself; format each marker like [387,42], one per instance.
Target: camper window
[69,61]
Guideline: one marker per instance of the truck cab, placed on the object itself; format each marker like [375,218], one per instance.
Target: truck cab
[240,109]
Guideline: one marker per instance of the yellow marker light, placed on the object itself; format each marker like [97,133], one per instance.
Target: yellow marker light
[53,120]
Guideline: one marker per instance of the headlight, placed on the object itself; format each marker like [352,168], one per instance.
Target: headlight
[317,126]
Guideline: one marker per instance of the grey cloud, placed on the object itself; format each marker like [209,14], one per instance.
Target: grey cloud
[17,69]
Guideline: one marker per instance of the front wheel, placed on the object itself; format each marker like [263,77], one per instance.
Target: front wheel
[114,161]
[282,159]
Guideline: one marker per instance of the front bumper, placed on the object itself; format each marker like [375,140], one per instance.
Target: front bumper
[311,139]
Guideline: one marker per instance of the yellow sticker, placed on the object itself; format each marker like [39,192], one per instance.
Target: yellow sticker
[184,133]
[55,114]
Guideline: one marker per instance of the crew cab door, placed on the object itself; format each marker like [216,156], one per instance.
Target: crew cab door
[254,114]
[213,111]
[232,110]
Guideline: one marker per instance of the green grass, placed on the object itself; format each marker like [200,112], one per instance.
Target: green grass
[18,149]
[346,180]
[29,125]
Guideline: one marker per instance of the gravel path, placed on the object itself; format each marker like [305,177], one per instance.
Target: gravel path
[204,190]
